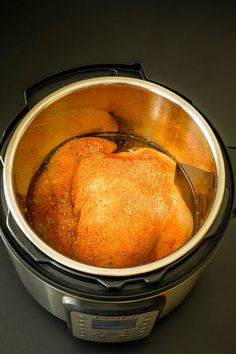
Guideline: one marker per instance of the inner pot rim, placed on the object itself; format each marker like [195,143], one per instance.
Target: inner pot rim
[8,178]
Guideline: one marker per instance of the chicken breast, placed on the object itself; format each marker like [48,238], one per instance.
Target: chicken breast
[49,205]
[109,209]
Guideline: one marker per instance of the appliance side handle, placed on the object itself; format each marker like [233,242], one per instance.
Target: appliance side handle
[118,284]
[8,132]
[23,241]
[232,157]
[48,85]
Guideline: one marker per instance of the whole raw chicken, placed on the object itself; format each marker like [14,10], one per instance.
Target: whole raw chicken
[108,209]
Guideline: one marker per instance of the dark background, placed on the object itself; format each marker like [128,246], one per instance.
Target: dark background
[187,46]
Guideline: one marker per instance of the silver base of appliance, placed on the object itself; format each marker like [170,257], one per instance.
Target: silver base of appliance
[85,317]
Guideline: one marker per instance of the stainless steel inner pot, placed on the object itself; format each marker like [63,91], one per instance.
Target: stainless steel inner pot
[137,107]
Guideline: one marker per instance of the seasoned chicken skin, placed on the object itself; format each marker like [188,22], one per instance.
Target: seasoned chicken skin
[109,209]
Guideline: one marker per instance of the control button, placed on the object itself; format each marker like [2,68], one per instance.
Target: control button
[144,327]
[101,336]
[82,328]
[80,316]
[82,334]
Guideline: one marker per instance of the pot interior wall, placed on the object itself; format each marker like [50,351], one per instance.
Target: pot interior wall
[118,108]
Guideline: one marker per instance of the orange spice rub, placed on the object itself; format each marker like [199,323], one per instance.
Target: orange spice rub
[109,209]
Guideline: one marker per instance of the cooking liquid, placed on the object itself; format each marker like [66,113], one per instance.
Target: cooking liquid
[125,143]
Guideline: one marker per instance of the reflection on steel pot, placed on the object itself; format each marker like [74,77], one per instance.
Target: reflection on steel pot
[112,304]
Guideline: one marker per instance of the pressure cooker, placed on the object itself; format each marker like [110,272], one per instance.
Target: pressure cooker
[107,304]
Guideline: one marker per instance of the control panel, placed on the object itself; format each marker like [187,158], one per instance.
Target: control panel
[112,328]
[104,321]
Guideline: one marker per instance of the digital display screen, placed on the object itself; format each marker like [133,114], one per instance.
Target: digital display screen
[113,324]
